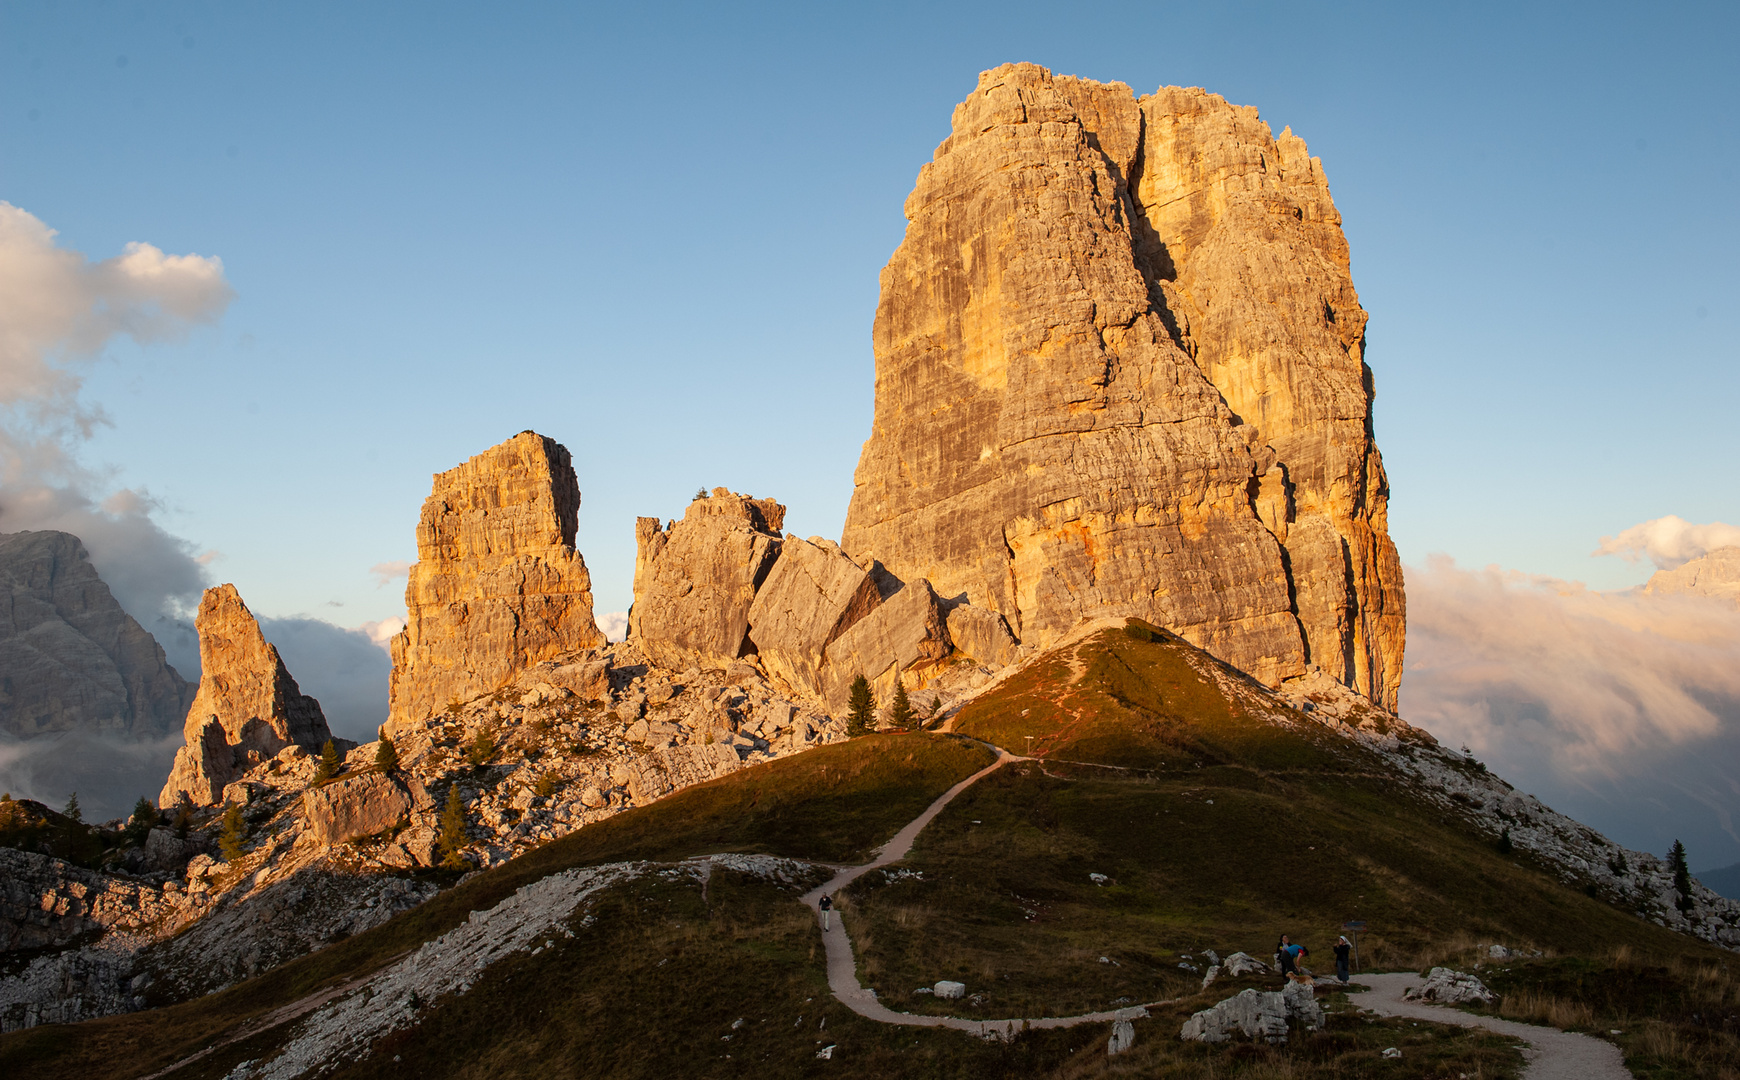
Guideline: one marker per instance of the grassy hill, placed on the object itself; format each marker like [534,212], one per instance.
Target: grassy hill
[1218,819]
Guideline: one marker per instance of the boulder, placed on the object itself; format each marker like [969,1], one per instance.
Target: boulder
[694,580]
[949,989]
[813,595]
[248,708]
[1106,388]
[588,680]
[981,634]
[905,635]
[362,804]
[498,586]
[1446,987]
[1242,964]
[1258,1014]
[1123,1036]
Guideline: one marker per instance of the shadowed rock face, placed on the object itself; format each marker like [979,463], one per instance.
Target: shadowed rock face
[497,586]
[70,658]
[248,707]
[1119,371]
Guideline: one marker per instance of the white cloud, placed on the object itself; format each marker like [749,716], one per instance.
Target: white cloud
[381,631]
[346,670]
[614,624]
[385,572]
[58,311]
[1669,541]
[1622,709]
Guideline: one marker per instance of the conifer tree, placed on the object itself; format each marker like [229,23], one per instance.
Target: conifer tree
[144,817]
[386,754]
[482,747]
[1504,844]
[452,838]
[329,763]
[235,831]
[72,810]
[1682,876]
[900,712]
[862,706]
[183,816]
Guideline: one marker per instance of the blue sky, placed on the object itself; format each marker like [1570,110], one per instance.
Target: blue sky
[653,232]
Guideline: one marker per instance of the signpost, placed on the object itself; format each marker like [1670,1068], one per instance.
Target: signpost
[1354,926]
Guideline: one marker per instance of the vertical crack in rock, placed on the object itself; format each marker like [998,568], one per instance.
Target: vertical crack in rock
[1119,370]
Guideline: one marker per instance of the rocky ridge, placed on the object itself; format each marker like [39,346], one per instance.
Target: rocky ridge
[1715,574]
[72,659]
[1140,357]
[248,709]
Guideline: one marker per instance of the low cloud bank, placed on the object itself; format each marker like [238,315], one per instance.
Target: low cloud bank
[1620,709]
[1669,541]
[109,774]
[342,668]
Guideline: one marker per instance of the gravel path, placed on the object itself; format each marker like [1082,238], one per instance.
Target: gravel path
[1551,1054]
[843,966]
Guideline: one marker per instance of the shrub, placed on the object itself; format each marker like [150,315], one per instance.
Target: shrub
[862,704]
[144,817]
[482,747]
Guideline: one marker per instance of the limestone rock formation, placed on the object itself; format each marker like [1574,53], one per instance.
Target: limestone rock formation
[498,585]
[1257,1014]
[694,581]
[1715,574]
[363,804]
[1446,986]
[70,658]
[248,707]
[1119,370]
[981,634]
[904,636]
[813,595]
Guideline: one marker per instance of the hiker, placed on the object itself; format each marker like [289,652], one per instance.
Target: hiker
[1299,953]
[826,905]
[1284,955]
[1342,948]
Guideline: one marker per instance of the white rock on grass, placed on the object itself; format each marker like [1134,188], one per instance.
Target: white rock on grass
[1242,964]
[1446,987]
[949,990]
[1123,1034]
[1258,1014]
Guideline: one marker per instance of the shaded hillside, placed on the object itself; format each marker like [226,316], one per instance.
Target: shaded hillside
[1218,816]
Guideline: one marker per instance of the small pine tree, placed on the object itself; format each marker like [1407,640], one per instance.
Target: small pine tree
[702,493]
[900,712]
[329,763]
[72,811]
[862,706]
[452,838]
[235,831]
[1682,876]
[183,816]
[1617,863]
[144,817]
[386,754]
[482,747]
[1504,844]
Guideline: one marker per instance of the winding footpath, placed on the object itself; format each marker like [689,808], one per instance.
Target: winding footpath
[843,966]
[1551,1054]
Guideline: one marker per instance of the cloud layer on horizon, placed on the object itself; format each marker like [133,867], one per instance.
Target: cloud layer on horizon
[1621,709]
[1669,541]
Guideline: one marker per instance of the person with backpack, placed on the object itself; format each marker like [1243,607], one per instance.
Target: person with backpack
[826,905]
[1342,948]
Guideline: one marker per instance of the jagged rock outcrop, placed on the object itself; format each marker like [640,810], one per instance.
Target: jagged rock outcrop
[70,658]
[904,636]
[248,708]
[695,580]
[813,595]
[1715,574]
[497,586]
[981,634]
[1119,371]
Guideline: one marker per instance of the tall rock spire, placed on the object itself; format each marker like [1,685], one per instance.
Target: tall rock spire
[248,708]
[498,585]
[1119,370]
